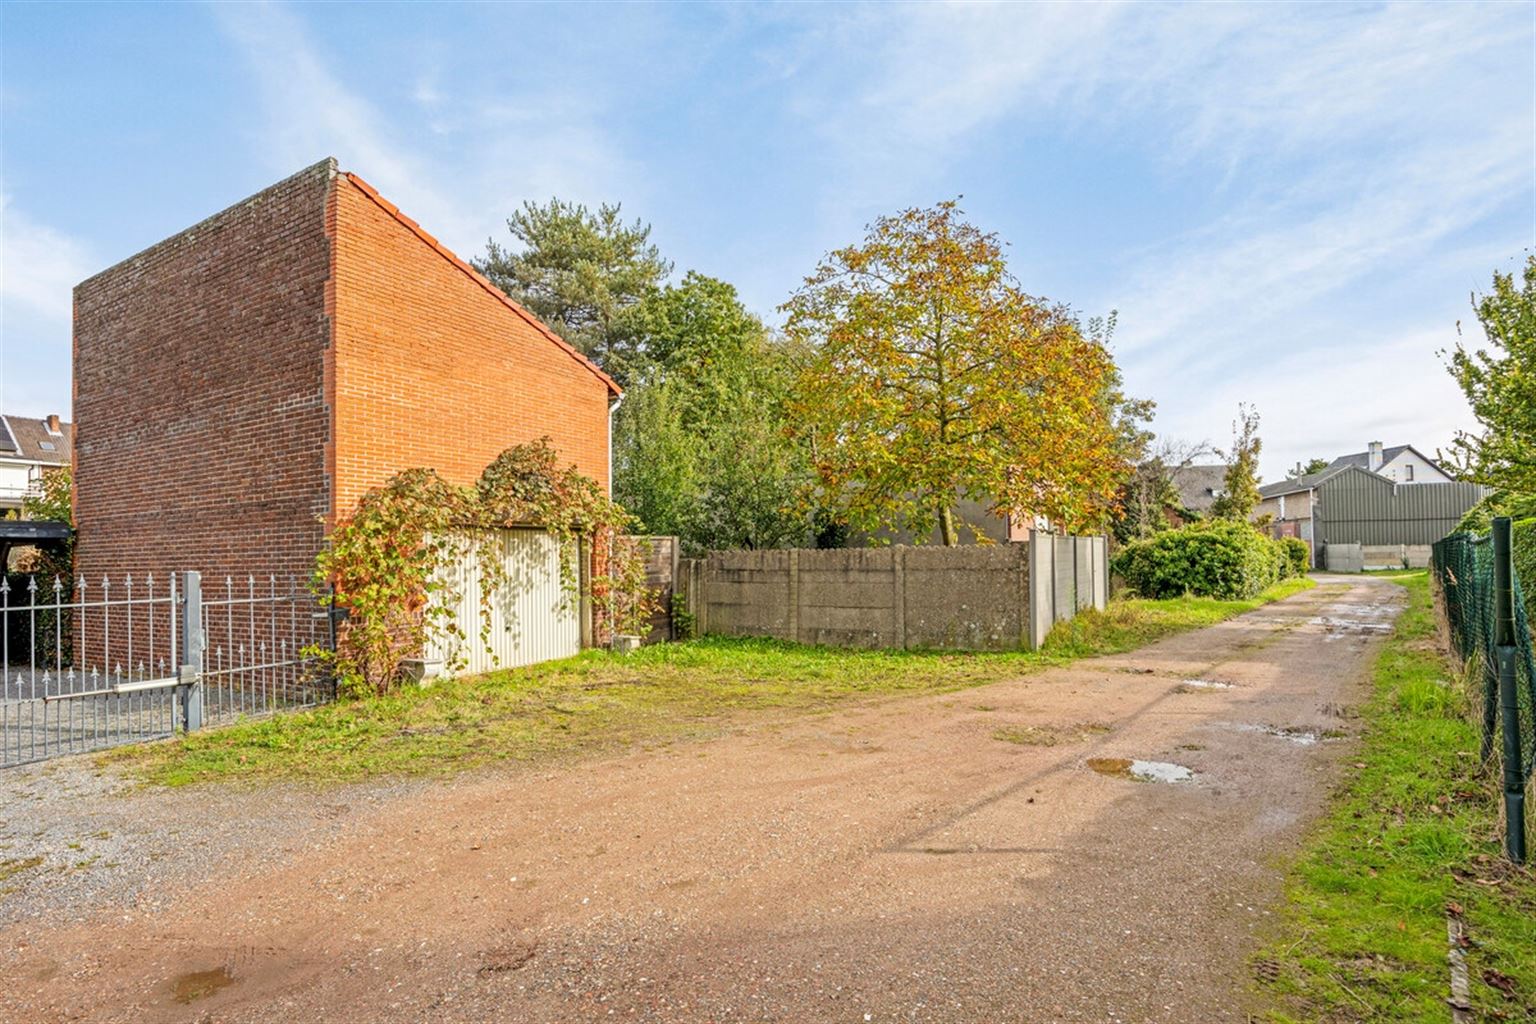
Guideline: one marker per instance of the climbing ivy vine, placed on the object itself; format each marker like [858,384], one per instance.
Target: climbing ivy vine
[387,563]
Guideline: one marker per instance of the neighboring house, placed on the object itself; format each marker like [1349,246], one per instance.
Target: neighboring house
[971,518]
[30,448]
[1348,503]
[1403,463]
[240,385]
[1199,486]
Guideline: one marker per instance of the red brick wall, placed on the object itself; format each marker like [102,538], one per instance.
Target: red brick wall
[200,415]
[433,369]
[239,384]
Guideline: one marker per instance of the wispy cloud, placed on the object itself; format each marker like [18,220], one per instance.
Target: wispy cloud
[312,114]
[39,266]
[459,166]
[1350,144]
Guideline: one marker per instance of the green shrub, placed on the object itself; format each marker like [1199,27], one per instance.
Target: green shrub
[1218,558]
[1523,540]
[1298,556]
[1479,518]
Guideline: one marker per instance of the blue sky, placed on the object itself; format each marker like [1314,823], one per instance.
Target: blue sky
[1288,205]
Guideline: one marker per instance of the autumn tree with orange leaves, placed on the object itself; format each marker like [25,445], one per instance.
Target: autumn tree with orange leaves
[930,376]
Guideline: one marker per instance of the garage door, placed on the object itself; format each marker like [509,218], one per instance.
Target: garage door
[532,617]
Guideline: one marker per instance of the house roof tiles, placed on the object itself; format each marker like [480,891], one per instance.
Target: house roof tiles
[30,439]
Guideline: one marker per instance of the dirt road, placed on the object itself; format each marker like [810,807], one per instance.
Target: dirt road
[932,859]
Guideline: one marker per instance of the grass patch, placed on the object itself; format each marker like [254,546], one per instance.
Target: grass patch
[1416,830]
[1134,622]
[16,865]
[598,701]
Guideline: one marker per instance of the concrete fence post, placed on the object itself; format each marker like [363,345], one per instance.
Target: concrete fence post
[794,594]
[1026,624]
[673,585]
[1042,586]
[192,645]
[899,596]
[1101,597]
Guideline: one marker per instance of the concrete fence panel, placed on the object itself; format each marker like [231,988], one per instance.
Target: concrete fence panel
[967,598]
[1343,557]
[982,597]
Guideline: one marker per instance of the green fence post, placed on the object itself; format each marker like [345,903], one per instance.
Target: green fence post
[1509,705]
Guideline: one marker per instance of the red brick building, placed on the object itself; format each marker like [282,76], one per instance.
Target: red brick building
[242,383]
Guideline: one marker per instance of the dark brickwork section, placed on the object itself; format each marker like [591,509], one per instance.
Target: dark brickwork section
[200,413]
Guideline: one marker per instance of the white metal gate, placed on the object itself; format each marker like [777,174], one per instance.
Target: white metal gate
[533,616]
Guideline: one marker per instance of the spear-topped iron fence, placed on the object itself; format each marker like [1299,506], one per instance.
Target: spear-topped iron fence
[94,663]
[1486,611]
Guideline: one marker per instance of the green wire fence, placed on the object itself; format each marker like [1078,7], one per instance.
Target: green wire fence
[1485,606]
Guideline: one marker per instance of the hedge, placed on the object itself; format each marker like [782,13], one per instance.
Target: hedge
[1215,558]
[1522,536]
[1297,554]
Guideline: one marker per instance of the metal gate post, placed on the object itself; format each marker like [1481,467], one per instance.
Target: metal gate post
[1509,705]
[192,644]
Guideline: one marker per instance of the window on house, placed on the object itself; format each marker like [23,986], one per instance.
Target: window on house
[46,446]
[1408,473]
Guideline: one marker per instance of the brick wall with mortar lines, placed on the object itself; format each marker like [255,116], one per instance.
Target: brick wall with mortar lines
[432,369]
[199,410]
[238,384]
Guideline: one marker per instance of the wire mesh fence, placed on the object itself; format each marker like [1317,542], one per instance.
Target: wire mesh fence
[1490,630]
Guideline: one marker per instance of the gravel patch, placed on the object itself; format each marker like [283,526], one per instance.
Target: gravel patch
[77,839]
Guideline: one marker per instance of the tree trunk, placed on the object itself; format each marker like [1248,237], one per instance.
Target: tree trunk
[947,535]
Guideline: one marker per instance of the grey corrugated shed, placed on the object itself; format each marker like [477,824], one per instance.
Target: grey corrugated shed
[1360,507]
[1298,483]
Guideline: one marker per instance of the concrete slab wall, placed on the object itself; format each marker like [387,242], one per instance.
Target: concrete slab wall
[1343,557]
[963,598]
[1395,556]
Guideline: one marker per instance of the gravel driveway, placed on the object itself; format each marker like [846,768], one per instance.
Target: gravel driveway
[991,855]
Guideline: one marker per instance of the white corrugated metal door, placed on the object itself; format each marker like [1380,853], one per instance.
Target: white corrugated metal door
[532,618]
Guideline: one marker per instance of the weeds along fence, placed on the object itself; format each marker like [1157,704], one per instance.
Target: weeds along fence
[1485,608]
[94,663]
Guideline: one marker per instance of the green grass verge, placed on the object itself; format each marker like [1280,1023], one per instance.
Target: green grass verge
[1415,830]
[1133,622]
[598,701]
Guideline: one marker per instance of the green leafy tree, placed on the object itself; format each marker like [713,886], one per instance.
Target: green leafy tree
[700,445]
[55,503]
[582,272]
[756,476]
[1240,495]
[656,465]
[1500,384]
[931,377]
[1315,466]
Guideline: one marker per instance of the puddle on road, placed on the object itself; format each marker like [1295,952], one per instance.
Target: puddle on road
[1206,685]
[197,985]
[1354,620]
[1141,771]
[1298,736]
